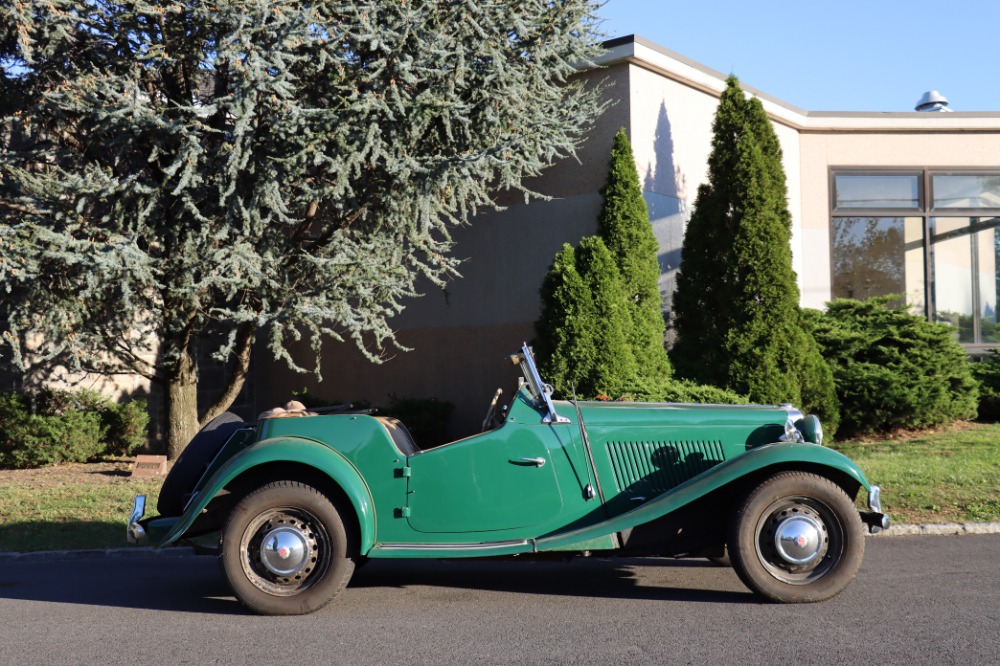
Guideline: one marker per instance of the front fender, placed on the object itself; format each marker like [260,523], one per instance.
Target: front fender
[310,453]
[787,456]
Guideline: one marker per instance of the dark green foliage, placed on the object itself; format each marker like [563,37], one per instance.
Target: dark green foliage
[127,426]
[602,326]
[893,369]
[185,176]
[52,427]
[624,226]
[583,331]
[987,372]
[736,307]
[676,390]
[816,381]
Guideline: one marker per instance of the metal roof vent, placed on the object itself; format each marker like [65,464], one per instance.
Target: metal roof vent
[932,101]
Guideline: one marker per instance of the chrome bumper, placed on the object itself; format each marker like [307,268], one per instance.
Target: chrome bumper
[135,533]
[874,517]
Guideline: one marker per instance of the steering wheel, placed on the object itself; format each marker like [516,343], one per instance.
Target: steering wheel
[488,422]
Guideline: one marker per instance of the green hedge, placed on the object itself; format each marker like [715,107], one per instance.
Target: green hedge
[51,427]
[893,369]
[677,390]
[987,373]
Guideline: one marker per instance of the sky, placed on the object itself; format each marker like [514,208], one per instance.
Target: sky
[878,55]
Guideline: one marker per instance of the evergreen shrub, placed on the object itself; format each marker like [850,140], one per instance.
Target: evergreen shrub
[893,369]
[583,332]
[662,389]
[736,307]
[987,373]
[52,427]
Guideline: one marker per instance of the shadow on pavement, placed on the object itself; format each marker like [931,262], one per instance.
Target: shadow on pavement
[192,584]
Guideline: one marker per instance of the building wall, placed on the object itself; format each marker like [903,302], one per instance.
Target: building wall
[872,144]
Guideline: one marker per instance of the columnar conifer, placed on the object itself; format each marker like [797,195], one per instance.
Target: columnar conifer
[736,308]
[583,332]
[625,228]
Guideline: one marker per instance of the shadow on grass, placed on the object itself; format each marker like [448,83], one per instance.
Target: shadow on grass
[33,536]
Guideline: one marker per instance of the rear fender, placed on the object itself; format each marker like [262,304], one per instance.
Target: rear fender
[320,457]
[754,463]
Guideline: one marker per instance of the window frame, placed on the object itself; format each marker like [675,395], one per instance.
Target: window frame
[925,211]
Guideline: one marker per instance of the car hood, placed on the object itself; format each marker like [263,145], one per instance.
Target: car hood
[666,414]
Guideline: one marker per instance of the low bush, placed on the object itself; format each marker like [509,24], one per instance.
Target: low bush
[51,427]
[654,389]
[987,373]
[893,369]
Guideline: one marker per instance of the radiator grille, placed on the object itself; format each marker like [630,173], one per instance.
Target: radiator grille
[654,467]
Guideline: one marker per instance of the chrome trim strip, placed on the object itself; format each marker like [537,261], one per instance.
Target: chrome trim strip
[134,532]
[875,499]
[449,546]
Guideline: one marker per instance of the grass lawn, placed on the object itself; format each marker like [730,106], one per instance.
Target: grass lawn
[940,476]
[71,506]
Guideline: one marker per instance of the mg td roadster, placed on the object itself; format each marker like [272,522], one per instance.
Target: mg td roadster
[298,503]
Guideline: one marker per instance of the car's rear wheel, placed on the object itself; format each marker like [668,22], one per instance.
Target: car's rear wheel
[796,538]
[286,550]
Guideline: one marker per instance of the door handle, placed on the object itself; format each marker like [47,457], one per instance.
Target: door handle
[537,462]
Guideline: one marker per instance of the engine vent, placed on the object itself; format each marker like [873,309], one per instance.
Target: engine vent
[654,467]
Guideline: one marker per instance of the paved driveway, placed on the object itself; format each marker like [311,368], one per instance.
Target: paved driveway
[918,600]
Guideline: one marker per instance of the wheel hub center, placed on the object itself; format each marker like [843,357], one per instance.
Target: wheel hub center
[284,551]
[799,539]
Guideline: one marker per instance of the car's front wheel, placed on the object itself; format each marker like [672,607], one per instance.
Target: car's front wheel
[797,537]
[286,550]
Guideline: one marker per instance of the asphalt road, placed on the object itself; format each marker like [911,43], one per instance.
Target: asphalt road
[918,600]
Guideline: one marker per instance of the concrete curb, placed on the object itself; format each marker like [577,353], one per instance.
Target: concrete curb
[113,553]
[939,529]
[934,529]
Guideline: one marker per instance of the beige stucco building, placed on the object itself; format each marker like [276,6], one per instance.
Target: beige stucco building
[881,203]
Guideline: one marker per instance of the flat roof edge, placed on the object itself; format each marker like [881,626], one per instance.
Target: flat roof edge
[641,52]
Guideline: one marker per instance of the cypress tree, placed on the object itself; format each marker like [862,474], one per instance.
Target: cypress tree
[738,319]
[625,228]
[583,332]
[699,299]
[176,175]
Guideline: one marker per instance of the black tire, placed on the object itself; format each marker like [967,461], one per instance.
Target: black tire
[286,550]
[192,462]
[821,542]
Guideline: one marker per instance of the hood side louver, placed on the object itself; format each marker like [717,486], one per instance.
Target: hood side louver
[655,467]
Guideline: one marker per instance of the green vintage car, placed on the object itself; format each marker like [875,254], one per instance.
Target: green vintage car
[299,502]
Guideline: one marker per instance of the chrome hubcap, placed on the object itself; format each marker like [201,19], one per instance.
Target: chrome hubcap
[798,539]
[284,551]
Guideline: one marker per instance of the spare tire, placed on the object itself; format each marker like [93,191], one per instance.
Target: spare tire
[192,462]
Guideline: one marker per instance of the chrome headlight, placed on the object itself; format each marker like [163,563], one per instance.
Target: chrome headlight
[792,433]
[812,429]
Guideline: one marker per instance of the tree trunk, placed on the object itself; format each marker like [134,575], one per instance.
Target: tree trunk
[182,406]
[241,365]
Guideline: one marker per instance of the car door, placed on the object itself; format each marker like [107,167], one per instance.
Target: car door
[500,480]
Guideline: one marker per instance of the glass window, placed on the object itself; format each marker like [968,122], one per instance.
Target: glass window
[953,284]
[876,191]
[878,256]
[966,190]
[988,243]
[879,247]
